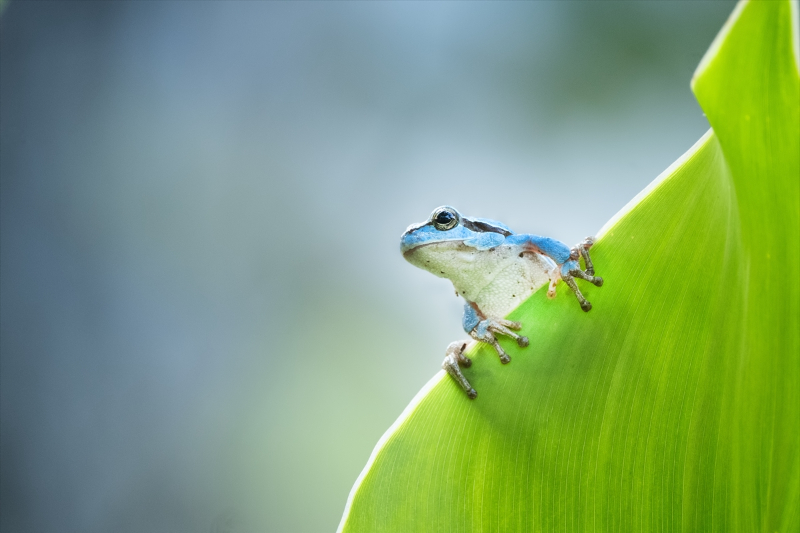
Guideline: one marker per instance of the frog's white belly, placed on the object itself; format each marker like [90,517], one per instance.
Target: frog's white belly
[497,280]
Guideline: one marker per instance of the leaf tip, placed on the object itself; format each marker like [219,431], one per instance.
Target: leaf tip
[712,51]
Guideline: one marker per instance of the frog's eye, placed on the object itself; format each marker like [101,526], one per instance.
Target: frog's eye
[445,219]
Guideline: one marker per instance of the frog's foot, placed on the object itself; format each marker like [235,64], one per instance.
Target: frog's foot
[569,279]
[582,248]
[486,329]
[454,356]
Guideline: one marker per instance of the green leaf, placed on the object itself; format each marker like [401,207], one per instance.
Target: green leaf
[674,405]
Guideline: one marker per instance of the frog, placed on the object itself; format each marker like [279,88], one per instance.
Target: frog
[494,270]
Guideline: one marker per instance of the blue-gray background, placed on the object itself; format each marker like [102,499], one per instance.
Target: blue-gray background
[206,323]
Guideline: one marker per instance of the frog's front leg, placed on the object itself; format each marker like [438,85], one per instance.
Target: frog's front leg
[454,358]
[483,329]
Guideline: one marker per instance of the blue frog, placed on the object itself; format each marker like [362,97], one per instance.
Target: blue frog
[494,270]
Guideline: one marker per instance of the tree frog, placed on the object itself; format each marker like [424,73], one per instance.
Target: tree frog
[494,270]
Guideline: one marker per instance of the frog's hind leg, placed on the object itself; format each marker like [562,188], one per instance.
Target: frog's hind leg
[454,357]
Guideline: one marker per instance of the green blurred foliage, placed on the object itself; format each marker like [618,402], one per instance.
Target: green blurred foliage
[204,317]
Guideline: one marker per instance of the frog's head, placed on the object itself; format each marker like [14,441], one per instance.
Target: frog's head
[442,237]
[444,225]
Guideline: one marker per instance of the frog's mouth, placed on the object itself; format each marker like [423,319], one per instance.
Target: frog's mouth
[410,242]
[411,249]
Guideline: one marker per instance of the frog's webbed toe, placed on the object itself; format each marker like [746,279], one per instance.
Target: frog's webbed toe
[454,356]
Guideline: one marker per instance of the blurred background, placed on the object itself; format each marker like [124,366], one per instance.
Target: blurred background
[205,321]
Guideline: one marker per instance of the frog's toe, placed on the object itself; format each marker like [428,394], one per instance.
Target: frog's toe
[586,306]
[472,394]
[523,342]
[510,324]
[485,332]
[505,327]
[466,362]
[598,281]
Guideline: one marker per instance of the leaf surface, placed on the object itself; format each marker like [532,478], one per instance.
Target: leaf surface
[674,405]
